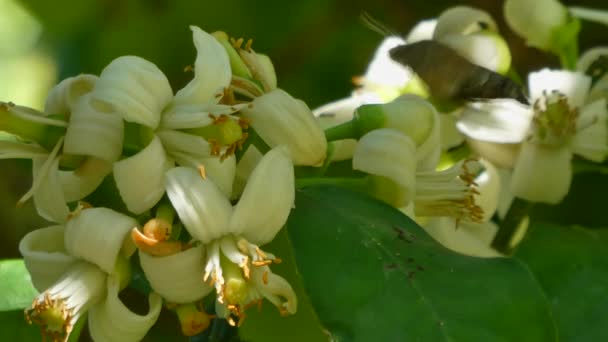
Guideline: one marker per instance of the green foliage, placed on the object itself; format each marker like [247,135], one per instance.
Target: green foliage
[373,274]
[16,289]
[571,266]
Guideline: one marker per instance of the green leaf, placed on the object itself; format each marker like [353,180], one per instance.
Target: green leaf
[16,289]
[13,327]
[372,274]
[570,264]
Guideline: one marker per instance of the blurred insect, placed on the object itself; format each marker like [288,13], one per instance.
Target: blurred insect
[450,76]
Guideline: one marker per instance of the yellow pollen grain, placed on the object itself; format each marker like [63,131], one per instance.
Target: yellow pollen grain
[202,172]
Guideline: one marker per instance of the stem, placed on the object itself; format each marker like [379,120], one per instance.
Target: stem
[343,131]
[257,141]
[46,135]
[507,228]
[357,184]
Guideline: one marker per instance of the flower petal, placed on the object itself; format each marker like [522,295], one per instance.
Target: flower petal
[201,206]
[244,168]
[136,89]
[140,178]
[590,56]
[20,150]
[48,197]
[79,183]
[110,320]
[591,139]
[488,185]
[45,256]
[63,96]
[97,236]
[496,121]
[94,130]
[176,142]
[388,153]
[542,174]
[195,115]
[463,20]
[423,30]
[589,14]
[267,199]
[178,277]
[450,136]
[575,85]
[212,71]
[383,71]
[466,238]
[220,172]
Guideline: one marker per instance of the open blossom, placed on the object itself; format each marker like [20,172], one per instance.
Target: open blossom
[80,268]
[174,128]
[539,141]
[226,253]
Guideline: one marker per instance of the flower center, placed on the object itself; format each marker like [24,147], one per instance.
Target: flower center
[554,121]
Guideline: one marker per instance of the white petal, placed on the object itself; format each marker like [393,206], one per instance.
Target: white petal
[496,121]
[283,120]
[30,114]
[423,30]
[466,238]
[79,183]
[45,256]
[212,71]
[388,153]
[594,15]
[140,178]
[429,152]
[575,85]
[97,235]
[505,197]
[244,168]
[220,172]
[591,139]
[94,130]
[487,50]
[176,142]
[337,112]
[111,320]
[48,197]
[535,21]
[383,71]
[463,20]
[267,199]
[64,95]
[501,155]
[590,56]
[41,171]
[20,150]
[178,278]
[542,174]
[488,185]
[195,115]
[450,136]
[136,89]
[201,206]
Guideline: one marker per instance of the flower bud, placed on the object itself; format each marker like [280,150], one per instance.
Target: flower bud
[463,20]
[63,96]
[283,120]
[536,21]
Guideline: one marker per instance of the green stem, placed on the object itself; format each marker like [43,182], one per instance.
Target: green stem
[45,135]
[340,132]
[508,227]
[257,141]
[357,184]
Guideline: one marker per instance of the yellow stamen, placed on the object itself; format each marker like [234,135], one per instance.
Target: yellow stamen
[202,172]
[155,247]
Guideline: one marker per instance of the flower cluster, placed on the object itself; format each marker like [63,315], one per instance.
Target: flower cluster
[199,180]
[186,187]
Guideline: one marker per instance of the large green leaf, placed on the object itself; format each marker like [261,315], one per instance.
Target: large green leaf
[13,327]
[16,289]
[571,264]
[373,275]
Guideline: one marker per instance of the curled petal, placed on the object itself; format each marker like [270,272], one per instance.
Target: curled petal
[466,238]
[42,168]
[485,49]
[391,154]
[178,277]
[20,150]
[535,21]
[180,143]
[542,174]
[574,85]
[195,115]
[94,130]
[267,199]
[140,178]
[77,184]
[110,320]
[591,139]
[244,168]
[97,235]
[423,30]
[48,197]
[450,136]
[488,185]
[63,96]
[211,71]
[201,206]
[45,256]
[135,88]
[589,57]
[276,289]
[383,72]
[429,152]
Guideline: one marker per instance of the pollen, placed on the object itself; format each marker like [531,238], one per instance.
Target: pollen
[52,316]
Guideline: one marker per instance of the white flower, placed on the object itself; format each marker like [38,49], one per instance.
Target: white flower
[559,124]
[283,120]
[79,268]
[234,264]
[172,128]
[91,143]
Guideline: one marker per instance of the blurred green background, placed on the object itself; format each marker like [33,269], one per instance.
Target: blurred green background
[317,47]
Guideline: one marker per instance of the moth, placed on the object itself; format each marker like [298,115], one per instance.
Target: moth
[451,76]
